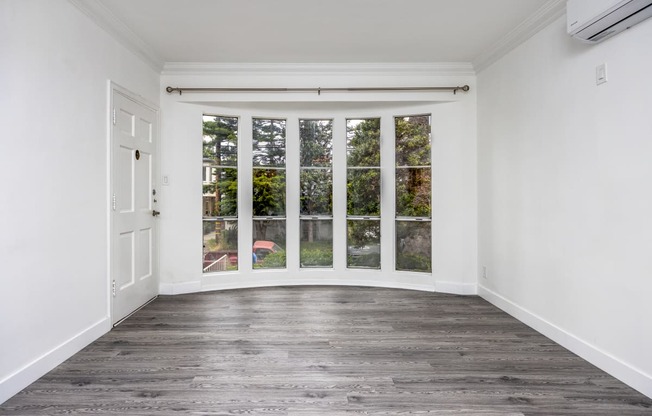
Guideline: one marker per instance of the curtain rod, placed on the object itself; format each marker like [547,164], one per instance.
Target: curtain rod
[318,90]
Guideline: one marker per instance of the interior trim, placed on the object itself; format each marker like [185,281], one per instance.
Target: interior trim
[118,30]
[629,375]
[14,383]
[381,69]
[549,12]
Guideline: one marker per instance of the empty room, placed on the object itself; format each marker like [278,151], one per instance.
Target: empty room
[302,207]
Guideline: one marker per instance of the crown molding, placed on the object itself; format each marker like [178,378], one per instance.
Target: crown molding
[528,28]
[108,21]
[387,69]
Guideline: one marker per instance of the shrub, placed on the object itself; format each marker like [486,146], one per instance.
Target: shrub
[413,262]
[367,260]
[316,257]
[274,260]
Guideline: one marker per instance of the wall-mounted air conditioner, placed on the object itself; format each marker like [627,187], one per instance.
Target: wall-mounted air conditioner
[595,20]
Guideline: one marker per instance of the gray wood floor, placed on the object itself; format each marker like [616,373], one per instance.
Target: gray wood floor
[325,351]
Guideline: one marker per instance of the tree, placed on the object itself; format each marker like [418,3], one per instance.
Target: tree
[316,177]
[220,151]
[413,193]
[268,142]
[363,187]
[220,144]
[268,180]
[363,180]
[413,185]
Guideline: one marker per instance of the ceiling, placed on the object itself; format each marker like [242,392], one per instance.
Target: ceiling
[320,31]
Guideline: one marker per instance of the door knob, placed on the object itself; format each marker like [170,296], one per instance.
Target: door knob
[155,213]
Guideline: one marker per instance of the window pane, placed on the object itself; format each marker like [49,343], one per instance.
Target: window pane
[363,244]
[316,191]
[268,142]
[221,140]
[363,142]
[363,192]
[268,192]
[269,244]
[316,137]
[413,246]
[221,193]
[412,141]
[220,246]
[413,192]
[316,243]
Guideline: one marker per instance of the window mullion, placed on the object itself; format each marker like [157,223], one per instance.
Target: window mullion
[387,194]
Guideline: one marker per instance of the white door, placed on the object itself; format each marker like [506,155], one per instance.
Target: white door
[134,274]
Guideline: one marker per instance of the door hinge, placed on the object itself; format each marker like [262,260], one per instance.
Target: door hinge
[113,287]
[113,117]
[113,202]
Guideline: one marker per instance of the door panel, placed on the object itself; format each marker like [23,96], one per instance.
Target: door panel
[125,275]
[124,187]
[133,226]
[143,179]
[144,269]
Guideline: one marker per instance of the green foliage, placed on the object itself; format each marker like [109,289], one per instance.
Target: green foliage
[316,257]
[363,233]
[221,237]
[221,140]
[413,262]
[363,143]
[363,182]
[316,143]
[228,185]
[413,246]
[316,192]
[413,141]
[272,260]
[268,184]
[363,192]
[316,152]
[413,173]
[221,149]
[368,261]
[230,239]
[268,192]
[268,142]
[316,253]
[413,192]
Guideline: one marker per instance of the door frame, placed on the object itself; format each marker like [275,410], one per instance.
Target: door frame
[113,88]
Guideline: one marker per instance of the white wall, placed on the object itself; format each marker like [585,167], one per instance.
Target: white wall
[54,70]
[454,175]
[565,195]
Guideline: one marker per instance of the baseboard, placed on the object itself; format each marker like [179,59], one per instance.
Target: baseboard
[456,288]
[314,282]
[179,288]
[14,383]
[624,372]
[196,286]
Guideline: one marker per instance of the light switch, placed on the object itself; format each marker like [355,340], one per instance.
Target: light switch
[166,180]
[600,74]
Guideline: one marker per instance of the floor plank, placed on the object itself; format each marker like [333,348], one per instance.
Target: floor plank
[334,351]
